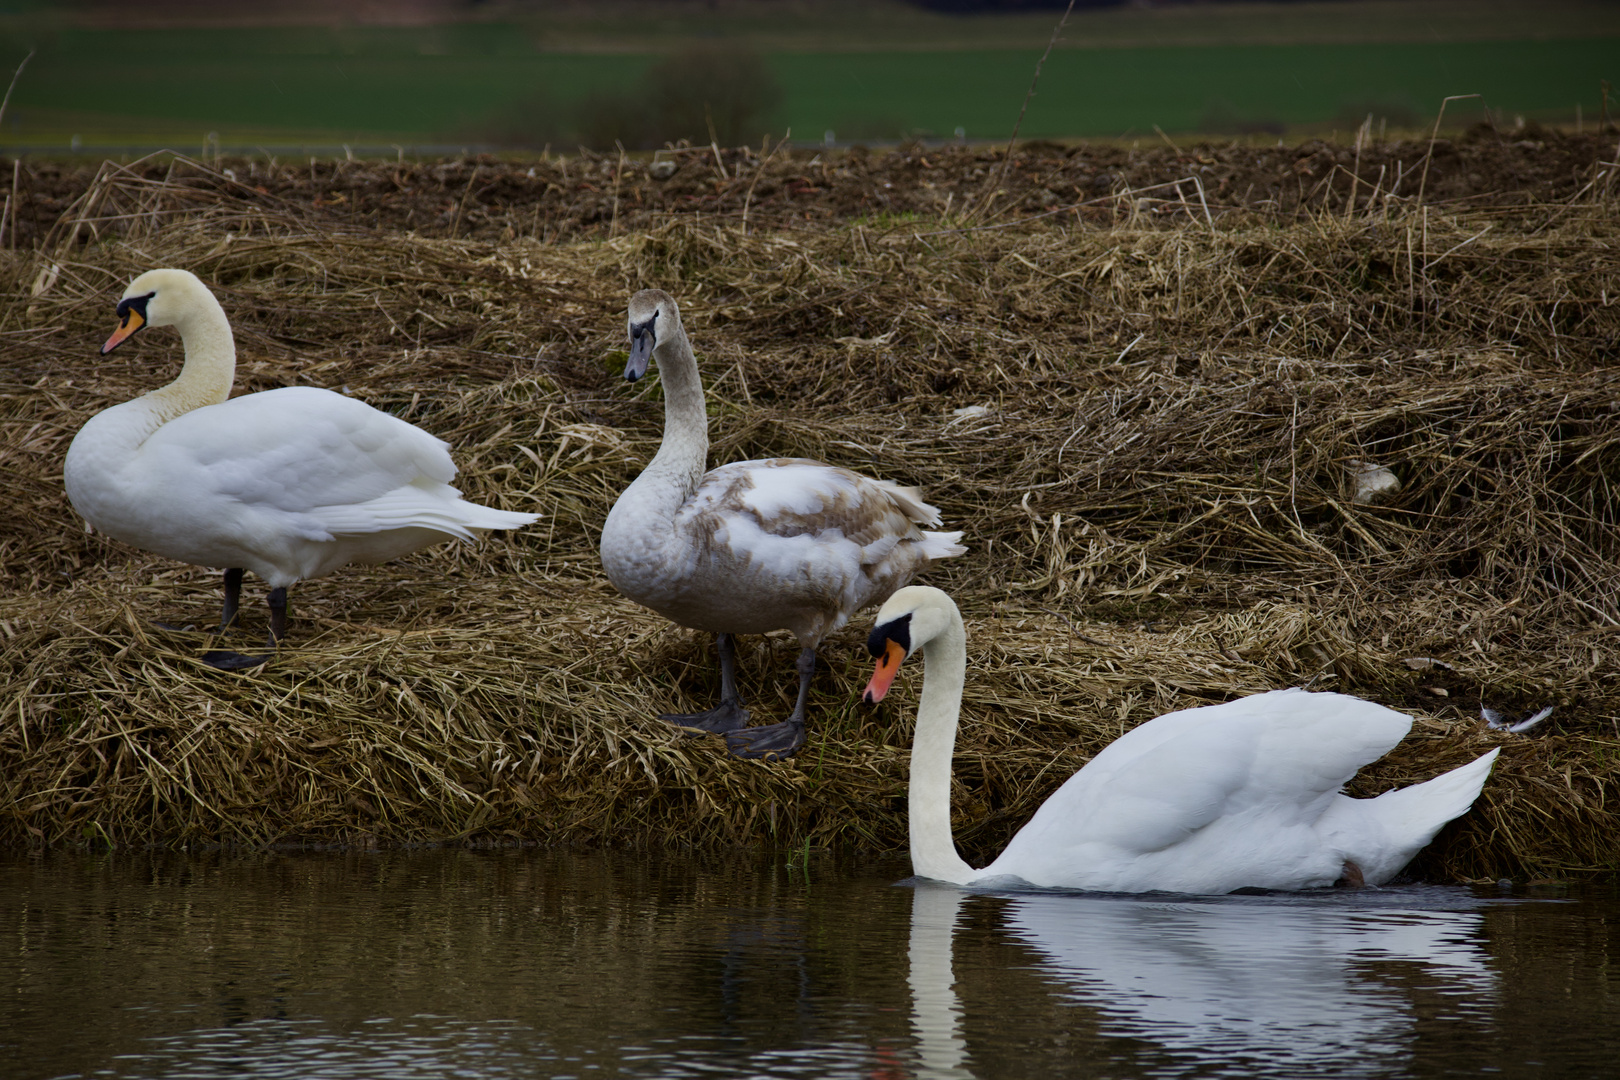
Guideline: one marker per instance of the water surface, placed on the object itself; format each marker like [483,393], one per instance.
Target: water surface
[522,963]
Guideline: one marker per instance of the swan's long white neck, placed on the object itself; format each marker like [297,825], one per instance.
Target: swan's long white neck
[933,851]
[210,365]
[683,456]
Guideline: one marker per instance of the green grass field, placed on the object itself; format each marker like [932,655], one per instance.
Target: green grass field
[1112,92]
[1260,68]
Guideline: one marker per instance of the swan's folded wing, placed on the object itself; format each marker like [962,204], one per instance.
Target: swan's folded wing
[793,497]
[1143,804]
[299,449]
[1286,751]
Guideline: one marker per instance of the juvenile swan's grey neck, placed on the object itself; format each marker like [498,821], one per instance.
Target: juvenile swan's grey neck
[683,455]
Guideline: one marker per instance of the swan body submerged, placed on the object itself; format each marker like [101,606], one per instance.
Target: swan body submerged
[753,546]
[289,484]
[1245,794]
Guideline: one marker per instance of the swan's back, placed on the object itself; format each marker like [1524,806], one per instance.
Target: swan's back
[1208,799]
[289,483]
[300,448]
[786,543]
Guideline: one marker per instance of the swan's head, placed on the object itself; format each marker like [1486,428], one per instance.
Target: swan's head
[653,318]
[157,298]
[908,620]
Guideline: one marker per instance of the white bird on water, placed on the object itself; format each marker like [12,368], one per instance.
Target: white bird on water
[1246,794]
[753,546]
[290,483]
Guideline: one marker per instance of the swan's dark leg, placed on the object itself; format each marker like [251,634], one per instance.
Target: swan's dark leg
[233,597]
[1351,877]
[776,741]
[227,613]
[278,616]
[226,660]
[729,715]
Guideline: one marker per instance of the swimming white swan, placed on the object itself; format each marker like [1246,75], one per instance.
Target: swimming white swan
[754,546]
[290,483]
[1206,800]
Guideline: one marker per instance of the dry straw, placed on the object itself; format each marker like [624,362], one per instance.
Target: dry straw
[1149,427]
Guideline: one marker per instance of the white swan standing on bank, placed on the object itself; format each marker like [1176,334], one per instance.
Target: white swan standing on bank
[754,546]
[290,483]
[1206,800]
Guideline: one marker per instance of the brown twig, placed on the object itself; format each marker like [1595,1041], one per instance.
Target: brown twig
[1435,134]
[1006,158]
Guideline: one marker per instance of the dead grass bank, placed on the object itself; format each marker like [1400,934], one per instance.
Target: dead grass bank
[1146,426]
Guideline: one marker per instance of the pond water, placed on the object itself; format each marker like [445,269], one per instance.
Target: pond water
[496,964]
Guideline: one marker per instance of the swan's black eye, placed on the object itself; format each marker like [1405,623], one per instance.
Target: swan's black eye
[136,304]
[895,630]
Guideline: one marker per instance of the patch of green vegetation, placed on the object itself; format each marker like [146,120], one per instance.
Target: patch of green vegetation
[475,82]
[1112,92]
[885,219]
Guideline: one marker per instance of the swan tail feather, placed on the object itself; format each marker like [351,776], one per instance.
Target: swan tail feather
[1406,819]
[483,519]
[1427,806]
[942,545]
[412,508]
[909,500]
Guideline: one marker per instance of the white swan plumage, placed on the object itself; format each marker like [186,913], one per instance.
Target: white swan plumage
[1245,794]
[289,484]
[753,546]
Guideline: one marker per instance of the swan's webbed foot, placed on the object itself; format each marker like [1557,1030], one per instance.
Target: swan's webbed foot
[769,742]
[725,717]
[1351,877]
[226,660]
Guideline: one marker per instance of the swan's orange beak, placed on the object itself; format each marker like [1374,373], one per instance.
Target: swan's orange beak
[888,666]
[133,321]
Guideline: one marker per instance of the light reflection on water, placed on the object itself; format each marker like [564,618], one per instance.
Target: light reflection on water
[1312,984]
[514,964]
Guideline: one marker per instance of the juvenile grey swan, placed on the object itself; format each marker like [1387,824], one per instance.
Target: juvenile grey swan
[754,546]
[290,483]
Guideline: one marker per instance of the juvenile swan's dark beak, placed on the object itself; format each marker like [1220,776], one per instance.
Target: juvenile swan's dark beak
[642,340]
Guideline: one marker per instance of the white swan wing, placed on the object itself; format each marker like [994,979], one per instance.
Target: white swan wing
[1247,779]
[311,454]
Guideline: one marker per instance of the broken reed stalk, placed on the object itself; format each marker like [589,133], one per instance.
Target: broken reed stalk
[765,161]
[1145,430]
[1006,160]
[1428,157]
[15,75]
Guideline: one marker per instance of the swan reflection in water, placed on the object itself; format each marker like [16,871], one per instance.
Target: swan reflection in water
[1318,982]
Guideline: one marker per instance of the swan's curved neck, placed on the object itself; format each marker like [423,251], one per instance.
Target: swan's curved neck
[210,366]
[933,851]
[684,453]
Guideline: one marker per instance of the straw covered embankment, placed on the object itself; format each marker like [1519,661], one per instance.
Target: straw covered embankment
[1147,412]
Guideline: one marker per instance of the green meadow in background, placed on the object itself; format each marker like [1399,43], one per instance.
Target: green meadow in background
[907,74]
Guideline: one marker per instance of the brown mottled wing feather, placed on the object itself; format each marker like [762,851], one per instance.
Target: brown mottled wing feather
[802,533]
